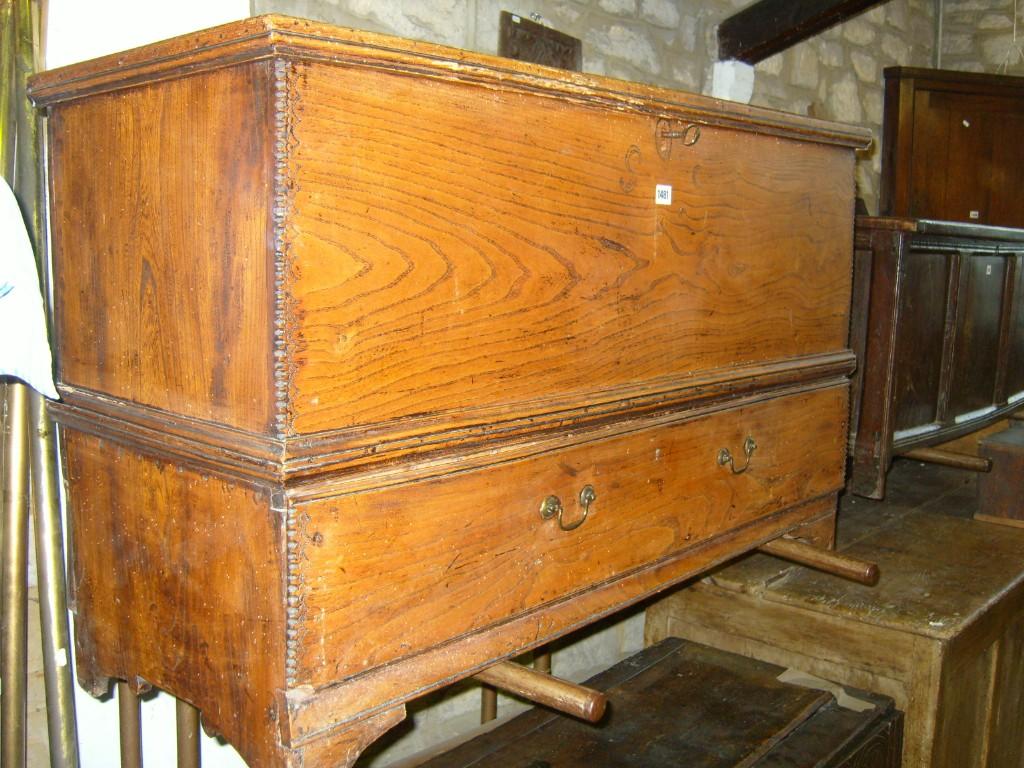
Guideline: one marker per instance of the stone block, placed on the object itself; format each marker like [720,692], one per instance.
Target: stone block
[660,13]
[804,67]
[873,106]
[995,21]
[772,66]
[864,65]
[844,101]
[831,53]
[631,44]
[859,32]
[895,49]
[618,7]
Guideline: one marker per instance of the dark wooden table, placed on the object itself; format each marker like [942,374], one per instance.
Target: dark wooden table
[683,704]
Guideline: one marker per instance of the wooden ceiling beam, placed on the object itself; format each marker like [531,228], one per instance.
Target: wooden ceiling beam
[770,26]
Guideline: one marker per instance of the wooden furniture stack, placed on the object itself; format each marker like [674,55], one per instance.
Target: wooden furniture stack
[942,633]
[383,362]
[939,304]
[684,704]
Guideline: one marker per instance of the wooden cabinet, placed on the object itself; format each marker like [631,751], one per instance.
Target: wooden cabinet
[939,333]
[952,146]
[382,362]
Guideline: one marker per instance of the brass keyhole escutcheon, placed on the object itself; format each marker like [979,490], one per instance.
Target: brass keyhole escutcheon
[552,507]
[725,457]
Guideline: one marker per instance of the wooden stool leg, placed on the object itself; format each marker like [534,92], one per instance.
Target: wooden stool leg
[129,720]
[188,735]
[949,459]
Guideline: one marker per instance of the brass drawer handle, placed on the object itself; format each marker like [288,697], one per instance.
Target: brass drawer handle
[725,458]
[552,507]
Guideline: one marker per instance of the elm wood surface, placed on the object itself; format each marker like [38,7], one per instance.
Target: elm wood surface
[663,717]
[1001,493]
[338,312]
[942,633]
[951,146]
[938,336]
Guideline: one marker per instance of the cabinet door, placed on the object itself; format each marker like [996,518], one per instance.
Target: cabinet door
[923,288]
[976,340]
[967,158]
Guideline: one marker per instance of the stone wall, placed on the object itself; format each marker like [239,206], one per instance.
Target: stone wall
[979,36]
[837,75]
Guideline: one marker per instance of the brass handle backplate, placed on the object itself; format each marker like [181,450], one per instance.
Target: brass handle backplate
[725,458]
[552,507]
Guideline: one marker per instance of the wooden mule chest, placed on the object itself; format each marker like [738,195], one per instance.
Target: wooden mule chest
[382,362]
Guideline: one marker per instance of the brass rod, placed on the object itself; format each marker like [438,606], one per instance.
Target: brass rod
[542,660]
[53,611]
[949,459]
[584,703]
[49,539]
[130,723]
[26,171]
[488,703]
[14,639]
[8,104]
[188,734]
[845,567]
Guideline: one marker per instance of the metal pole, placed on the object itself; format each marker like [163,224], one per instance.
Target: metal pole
[488,703]
[131,727]
[8,118]
[14,675]
[188,734]
[53,612]
[49,538]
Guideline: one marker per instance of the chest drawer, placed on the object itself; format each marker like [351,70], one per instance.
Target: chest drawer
[415,564]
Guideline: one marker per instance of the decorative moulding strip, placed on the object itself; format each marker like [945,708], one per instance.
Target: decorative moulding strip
[266,37]
[951,431]
[362,448]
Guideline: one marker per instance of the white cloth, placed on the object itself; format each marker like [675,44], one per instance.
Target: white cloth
[24,347]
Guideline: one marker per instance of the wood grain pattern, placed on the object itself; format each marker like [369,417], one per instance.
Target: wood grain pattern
[977,341]
[938,350]
[472,550]
[374,691]
[177,579]
[1015,365]
[951,148]
[160,260]
[337,311]
[512,266]
[919,338]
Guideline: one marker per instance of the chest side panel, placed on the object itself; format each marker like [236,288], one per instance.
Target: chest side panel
[162,245]
[455,247]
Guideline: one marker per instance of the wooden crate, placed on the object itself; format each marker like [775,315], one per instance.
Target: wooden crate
[942,633]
